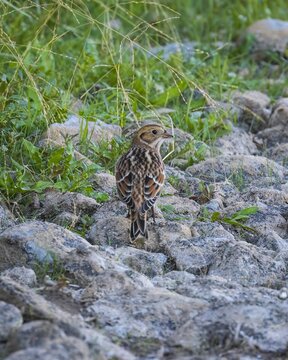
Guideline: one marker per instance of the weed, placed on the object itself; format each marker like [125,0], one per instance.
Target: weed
[236,220]
[168,209]
[51,266]
[238,179]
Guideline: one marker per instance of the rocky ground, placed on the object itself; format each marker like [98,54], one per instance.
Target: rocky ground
[207,285]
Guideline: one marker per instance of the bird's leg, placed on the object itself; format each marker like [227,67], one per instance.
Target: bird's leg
[128,214]
[153,214]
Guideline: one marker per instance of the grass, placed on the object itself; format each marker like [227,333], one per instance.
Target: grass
[236,220]
[100,53]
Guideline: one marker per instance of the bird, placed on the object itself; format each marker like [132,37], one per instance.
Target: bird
[140,175]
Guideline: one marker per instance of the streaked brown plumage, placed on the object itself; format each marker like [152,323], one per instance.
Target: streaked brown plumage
[140,176]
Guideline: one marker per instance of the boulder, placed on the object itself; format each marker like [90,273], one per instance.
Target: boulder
[74,127]
[269,35]
[233,260]
[36,242]
[241,169]
[22,275]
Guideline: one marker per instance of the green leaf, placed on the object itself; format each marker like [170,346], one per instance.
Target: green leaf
[42,185]
[215,216]
[101,197]
[56,156]
[245,213]
[238,224]
[34,96]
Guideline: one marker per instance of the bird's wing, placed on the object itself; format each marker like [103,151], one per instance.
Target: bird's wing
[152,186]
[124,182]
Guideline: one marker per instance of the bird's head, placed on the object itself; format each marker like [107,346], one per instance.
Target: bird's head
[151,135]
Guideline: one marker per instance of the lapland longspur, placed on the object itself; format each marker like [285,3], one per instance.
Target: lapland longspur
[140,175]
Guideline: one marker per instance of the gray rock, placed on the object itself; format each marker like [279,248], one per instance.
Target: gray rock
[269,35]
[40,334]
[33,305]
[218,291]
[22,275]
[66,219]
[113,282]
[182,181]
[210,229]
[240,169]
[184,148]
[266,219]
[279,115]
[272,136]
[105,182]
[60,349]
[56,203]
[175,208]
[10,320]
[168,190]
[238,142]
[211,331]
[111,208]
[277,133]
[73,127]
[279,153]
[100,344]
[175,280]
[254,112]
[34,334]
[147,263]
[197,255]
[267,195]
[100,270]
[186,49]
[112,231]
[252,326]
[272,241]
[6,218]
[144,323]
[244,263]
[36,241]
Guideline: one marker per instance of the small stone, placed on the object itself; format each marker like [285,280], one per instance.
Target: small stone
[279,114]
[186,49]
[6,218]
[147,263]
[105,182]
[283,294]
[254,112]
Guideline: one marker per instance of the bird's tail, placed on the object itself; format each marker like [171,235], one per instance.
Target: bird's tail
[138,225]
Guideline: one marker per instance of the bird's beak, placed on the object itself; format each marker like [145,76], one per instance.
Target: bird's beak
[166,135]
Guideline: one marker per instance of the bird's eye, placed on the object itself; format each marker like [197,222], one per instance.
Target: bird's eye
[154,132]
